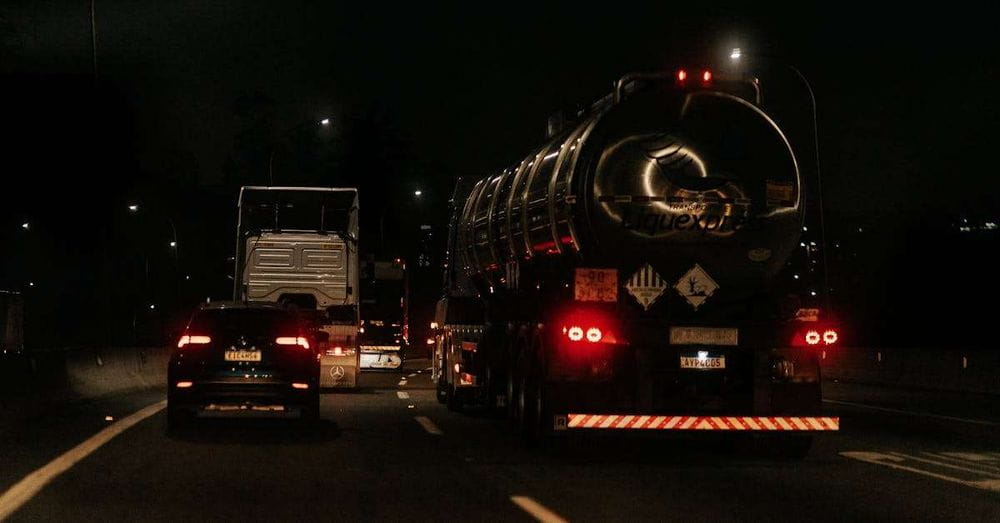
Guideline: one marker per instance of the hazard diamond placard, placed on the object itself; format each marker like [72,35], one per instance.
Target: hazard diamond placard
[646,286]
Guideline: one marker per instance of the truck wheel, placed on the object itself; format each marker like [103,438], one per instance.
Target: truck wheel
[511,395]
[441,394]
[454,401]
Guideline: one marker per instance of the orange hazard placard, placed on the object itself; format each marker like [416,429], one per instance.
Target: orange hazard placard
[596,285]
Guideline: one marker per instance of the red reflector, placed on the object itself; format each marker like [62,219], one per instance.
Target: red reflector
[188,339]
[682,75]
[467,379]
[184,384]
[706,76]
[292,340]
[300,385]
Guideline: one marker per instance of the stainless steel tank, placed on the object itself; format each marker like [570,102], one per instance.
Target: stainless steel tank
[666,176]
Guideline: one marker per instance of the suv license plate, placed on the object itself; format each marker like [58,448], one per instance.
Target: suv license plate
[691,362]
[242,355]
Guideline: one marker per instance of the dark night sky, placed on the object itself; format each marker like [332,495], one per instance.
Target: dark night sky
[907,109]
[904,97]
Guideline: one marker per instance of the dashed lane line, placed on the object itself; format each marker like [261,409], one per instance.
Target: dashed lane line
[894,461]
[428,425]
[402,382]
[537,510]
[22,492]
[403,395]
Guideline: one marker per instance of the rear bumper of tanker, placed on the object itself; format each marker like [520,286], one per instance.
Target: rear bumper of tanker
[647,389]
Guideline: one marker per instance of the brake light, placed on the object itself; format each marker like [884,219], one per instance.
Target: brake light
[292,340]
[682,75]
[588,327]
[706,76]
[188,339]
[815,336]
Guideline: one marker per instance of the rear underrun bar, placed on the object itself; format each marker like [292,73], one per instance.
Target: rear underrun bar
[732,423]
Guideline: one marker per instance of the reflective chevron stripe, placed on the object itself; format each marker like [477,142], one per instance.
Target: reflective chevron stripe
[643,422]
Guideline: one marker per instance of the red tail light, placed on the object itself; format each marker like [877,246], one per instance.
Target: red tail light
[706,76]
[292,340]
[681,75]
[191,339]
[816,336]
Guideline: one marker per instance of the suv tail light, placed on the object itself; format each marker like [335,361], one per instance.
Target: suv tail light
[191,339]
[292,340]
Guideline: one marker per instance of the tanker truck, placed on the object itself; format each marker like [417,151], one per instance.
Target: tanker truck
[652,267]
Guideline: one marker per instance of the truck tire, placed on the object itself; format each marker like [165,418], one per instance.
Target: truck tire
[455,402]
[441,392]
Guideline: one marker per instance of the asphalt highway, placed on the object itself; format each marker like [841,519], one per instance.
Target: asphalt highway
[391,452]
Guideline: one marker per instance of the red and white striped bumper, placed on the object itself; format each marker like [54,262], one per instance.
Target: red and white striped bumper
[747,423]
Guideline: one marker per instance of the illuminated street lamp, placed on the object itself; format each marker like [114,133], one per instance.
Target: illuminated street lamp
[417,193]
[173,244]
[133,207]
[25,225]
[735,54]
[324,121]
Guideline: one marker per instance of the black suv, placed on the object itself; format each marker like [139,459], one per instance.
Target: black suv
[238,359]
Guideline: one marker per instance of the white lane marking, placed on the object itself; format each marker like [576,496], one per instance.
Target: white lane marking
[946,465]
[403,395]
[537,510]
[412,375]
[429,368]
[893,462]
[22,492]
[914,413]
[428,425]
[972,456]
[402,382]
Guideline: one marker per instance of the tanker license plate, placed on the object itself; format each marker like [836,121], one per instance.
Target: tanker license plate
[703,362]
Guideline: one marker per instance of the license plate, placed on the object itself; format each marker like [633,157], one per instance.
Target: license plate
[242,355]
[694,362]
[704,336]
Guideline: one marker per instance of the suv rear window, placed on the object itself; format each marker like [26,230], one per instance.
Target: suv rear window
[260,320]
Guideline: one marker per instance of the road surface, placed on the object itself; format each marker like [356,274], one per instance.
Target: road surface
[390,452]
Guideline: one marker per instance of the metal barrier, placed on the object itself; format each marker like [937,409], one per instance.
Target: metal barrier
[958,370]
